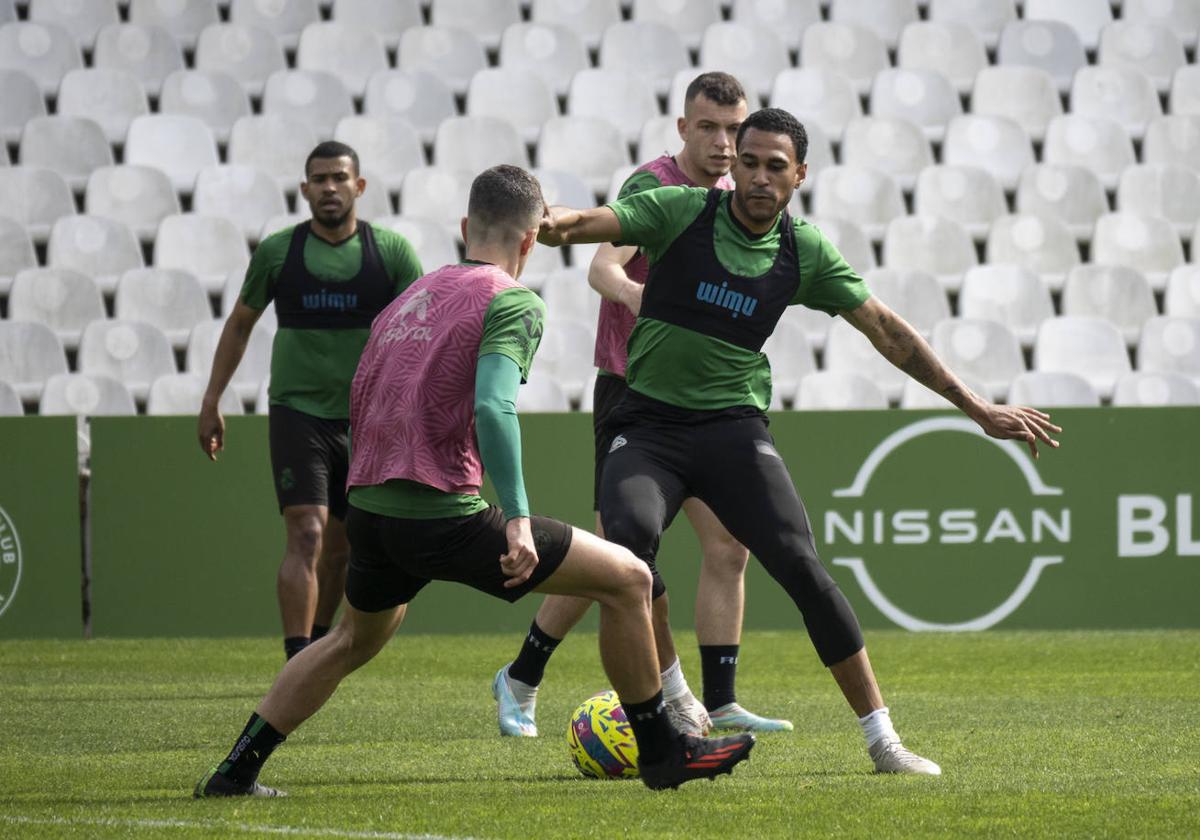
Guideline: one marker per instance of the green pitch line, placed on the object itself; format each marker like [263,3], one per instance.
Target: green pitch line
[1039,734]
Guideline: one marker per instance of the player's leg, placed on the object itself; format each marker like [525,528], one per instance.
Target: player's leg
[719,602]
[747,485]
[297,583]
[335,546]
[621,584]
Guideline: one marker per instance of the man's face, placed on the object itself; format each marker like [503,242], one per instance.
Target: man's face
[708,131]
[331,189]
[766,174]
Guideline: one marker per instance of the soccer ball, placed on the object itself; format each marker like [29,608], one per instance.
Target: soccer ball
[601,740]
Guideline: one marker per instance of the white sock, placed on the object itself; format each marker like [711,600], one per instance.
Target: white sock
[524,692]
[674,684]
[878,725]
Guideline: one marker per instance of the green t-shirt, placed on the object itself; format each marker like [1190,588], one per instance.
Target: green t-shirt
[512,327]
[696,371]
[311,369]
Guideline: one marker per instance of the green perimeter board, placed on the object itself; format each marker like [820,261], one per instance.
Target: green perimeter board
[40,559]
[225,551]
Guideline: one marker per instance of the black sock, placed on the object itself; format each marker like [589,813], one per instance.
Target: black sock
[294,644]
[318,631]
[718,669]
[651,728]
[530,664]
[252,749]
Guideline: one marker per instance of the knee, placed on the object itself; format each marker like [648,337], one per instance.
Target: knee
[632,577]
[725,556]
[353,650]
[304,537]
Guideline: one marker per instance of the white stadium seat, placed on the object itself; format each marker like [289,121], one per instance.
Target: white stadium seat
[1098,143]
[967,194]
[850,240]
[44,52]
[453,55]
[1124,94]
[1184,97]
[182,393]
[838,391]
[254,367]
[567,353]
[1171,345]
[1116,293]
[248,53]
[1042,244]
[542,263]
[391,146]
[786,18]
[99,247]
[1165,190]
[565,188]
[64,299]
[1050,45]
[816,95]
[986,351]
[30,353]
[388,19]
[81,20]
[208,246]
[1181,16]
[178,144]
[916,396]
[892,145]
[867,197]
[138,196]
[849,351]
[659,136]
[951,48]
[755,56]
[519,96]
[1009,294]
[316,98]
[148,52]
[1086,17]
[924,97]
[655,49]
[688,18]
[133,352]
[1072,194]
[941,247]
[86,394]
[589,147]
[791,357]
[16,251]
[1173,139]
[1146,243]
[437,194]
[1026,95]
[283,19]
[1045,389]
[1182,297]
[273,143]
[1089,347]
[568,295]
[475,143]
[851,50]
[998,144]
[987,18]
[213,96]
[35,197]
[485,19]
[916,296]
[417,97]
[886,18]
[244,195]
[1150,47]
[10,401]
[349,52]
[587,19]
[110,97]
[71,146]
[1142,388]
[542,392]
[553,51]
[184,19]
[169,298]
[20,101]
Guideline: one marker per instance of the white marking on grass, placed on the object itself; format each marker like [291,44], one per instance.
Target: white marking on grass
[248,828]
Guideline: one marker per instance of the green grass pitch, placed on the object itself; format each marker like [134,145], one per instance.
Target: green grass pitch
[1039,734]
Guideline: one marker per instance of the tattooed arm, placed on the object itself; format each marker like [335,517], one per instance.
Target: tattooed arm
[903,346]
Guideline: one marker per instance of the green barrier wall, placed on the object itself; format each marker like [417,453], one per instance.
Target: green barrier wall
[40,558]
[924,522]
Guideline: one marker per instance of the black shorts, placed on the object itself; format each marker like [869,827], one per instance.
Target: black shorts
[391,559]
[607,395]
[310,457]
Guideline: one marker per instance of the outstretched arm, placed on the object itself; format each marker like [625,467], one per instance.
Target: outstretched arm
[607,276]
[904,347]
[564,226]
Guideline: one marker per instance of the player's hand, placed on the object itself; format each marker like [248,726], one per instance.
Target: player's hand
[631,296]
[522,557]
[211,430]
[556,221]
[1018,422]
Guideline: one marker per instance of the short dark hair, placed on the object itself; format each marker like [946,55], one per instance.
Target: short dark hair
[717,87]
[505,199]
[331,149]
[777,121]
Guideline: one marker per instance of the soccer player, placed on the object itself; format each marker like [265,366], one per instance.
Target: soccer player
[329,277]
[723,266]
[714,107]
[432,404]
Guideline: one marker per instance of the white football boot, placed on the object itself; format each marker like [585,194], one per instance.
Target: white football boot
[515,718]
[891,756]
